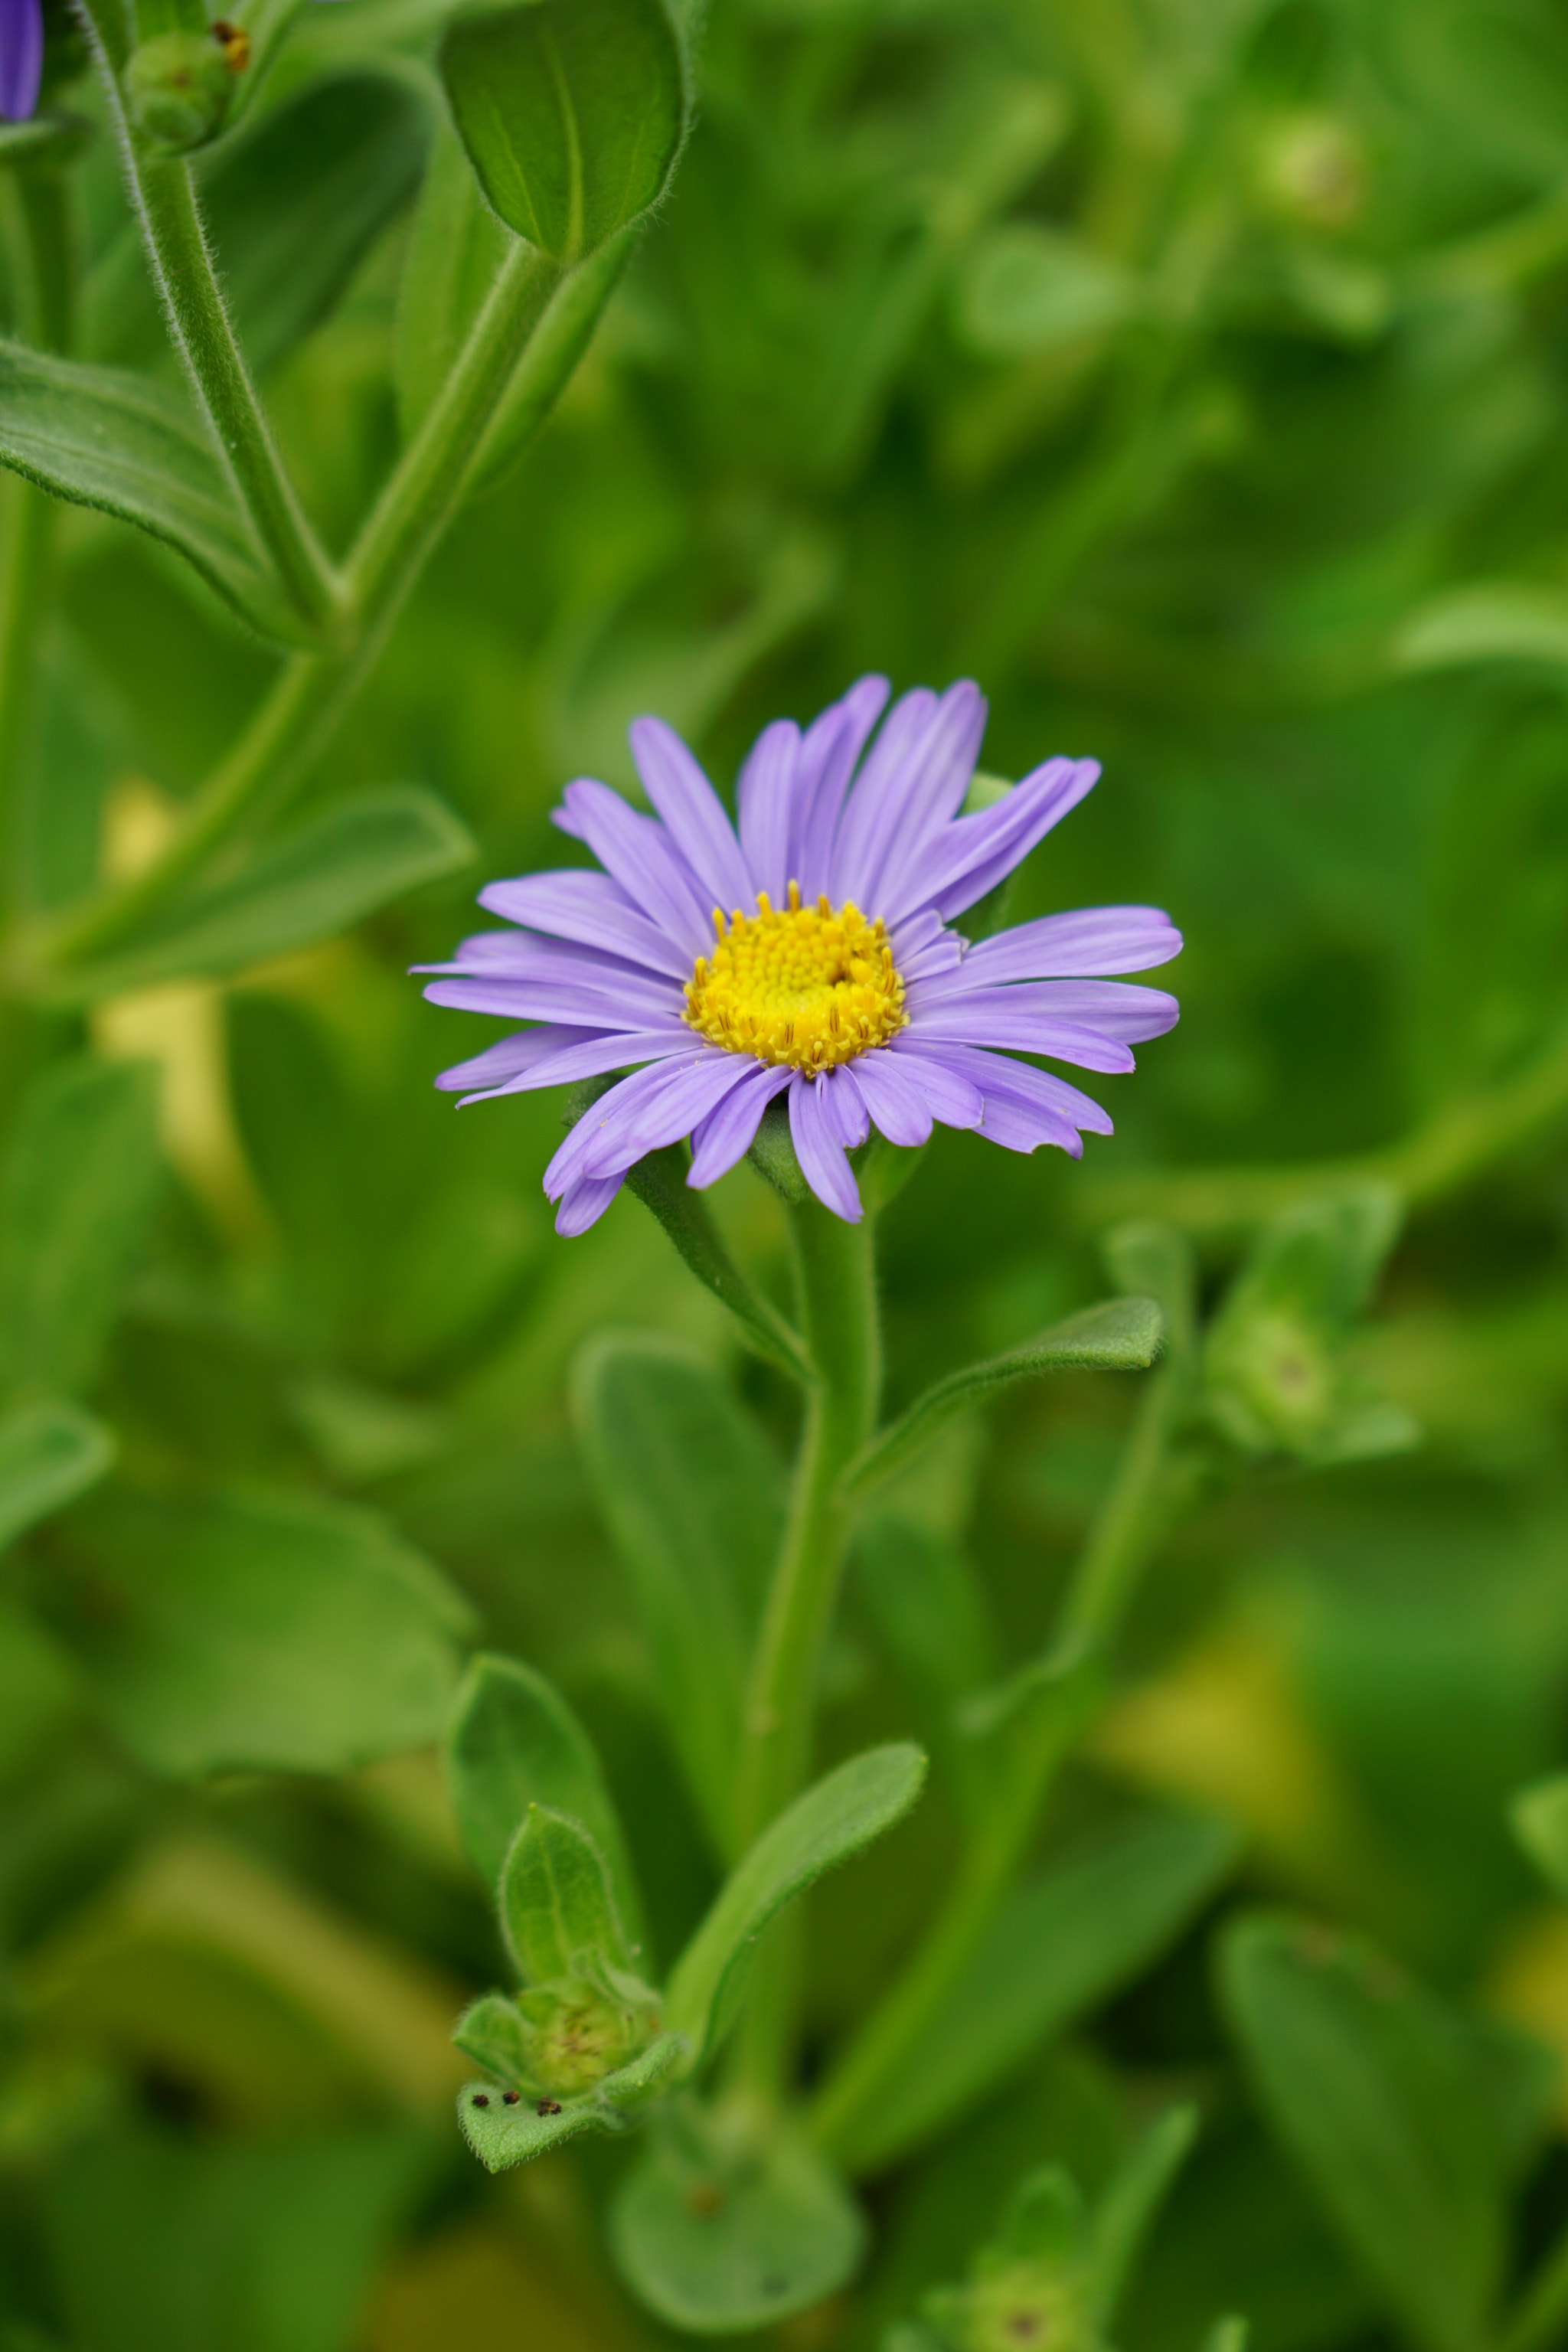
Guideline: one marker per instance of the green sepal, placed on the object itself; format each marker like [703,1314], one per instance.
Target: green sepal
[501,2135]
[179,87]
[495,2034]
[772,1153]
[556,1901]
[732,2221]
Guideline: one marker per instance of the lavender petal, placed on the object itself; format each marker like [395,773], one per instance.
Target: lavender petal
[692,812]
[589,909]
[725,1135]
[821,1155]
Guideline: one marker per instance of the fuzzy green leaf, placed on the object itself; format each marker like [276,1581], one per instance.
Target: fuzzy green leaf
[80,1185]
[513,1742]
[1372,2087]
[1121,1335]
[556,1898]
[308,884]
[1538,1818]
[721,2229]
[493,2033]
[690,1493]
[1067,1940]
[259,1633]
[501,2136]
[49,1454]
[571,111]
[103,437]
[842,1813]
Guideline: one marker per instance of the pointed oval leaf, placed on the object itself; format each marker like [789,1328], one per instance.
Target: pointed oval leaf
[714,2235]
[1538,1818]
[257,1632]
[1121,1335]
[1071,1935]
[311,883]
[49,1454]
[692,1495]
[1373,2088]
[103,437]
[572,113]
[835,1818]
[80,1186]
[514,1742]
[556,1898]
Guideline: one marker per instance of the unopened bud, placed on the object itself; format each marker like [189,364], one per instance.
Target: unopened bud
[177,90]
[1312,168]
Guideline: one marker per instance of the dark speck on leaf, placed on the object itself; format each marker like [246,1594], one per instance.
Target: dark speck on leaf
[509,2098]
[481,2098]
[548,2108]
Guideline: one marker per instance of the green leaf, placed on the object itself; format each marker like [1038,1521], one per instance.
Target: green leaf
[572,113]
[931,1614]
[1486,621]
[49,1453]
[837,1817]
[309,884]
[513,1742]
[80,1186]
[1126,2212]
[273,1633]
[1538,1818]
[1121,1335]
[727,2224]
[103,437]
[492,2032]
[556,1902]
[1156,1261]
[46,136]
[692,1497]
[502,2136]
[162,2239]
[1372,2085]
[1067,1940]
[772,1153]
[456,248]
[1026,288]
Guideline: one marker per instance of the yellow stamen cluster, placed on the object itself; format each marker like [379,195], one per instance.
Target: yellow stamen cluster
[809,986]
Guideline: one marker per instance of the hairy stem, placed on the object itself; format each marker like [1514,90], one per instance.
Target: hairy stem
[41,251]
[836,1280]
[312,691]
[1130,1525]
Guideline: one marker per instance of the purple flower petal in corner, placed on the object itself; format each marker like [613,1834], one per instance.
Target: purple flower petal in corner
[21,58]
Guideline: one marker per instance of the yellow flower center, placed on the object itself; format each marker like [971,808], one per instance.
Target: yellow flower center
[809,986]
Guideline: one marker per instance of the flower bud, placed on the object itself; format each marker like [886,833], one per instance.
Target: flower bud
[1027,2306]
[177,90]
[1312,170]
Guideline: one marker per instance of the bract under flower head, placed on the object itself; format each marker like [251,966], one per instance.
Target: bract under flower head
[838,977]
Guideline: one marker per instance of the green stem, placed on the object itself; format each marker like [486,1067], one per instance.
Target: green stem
[1458,1144]
[839,1321]
[181,263]
[1541,2318]
[41,249]
[1121,1544]
[163,199]
[837,1281]
[312,690]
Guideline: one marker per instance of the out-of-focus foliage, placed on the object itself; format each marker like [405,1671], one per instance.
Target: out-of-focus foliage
[1195,374]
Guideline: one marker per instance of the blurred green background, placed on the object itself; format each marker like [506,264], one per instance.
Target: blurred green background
[1192,373]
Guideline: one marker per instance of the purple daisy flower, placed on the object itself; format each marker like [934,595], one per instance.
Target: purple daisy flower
[809,950]
[21,57]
